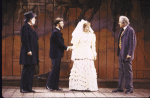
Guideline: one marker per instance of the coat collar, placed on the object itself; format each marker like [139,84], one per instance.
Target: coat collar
[126,29]
[57,29]
[33,31]
[29,27]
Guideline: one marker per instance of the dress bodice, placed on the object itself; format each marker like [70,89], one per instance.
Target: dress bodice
[84,48]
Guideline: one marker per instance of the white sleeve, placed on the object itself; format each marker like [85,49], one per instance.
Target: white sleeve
[75,41]
[94,45]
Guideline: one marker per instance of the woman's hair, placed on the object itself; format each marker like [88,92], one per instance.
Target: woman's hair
[86,24]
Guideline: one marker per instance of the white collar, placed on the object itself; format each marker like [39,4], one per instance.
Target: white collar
[58,28]
[125,27]
[29,23]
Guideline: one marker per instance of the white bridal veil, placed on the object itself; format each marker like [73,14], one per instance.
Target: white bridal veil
[79,31]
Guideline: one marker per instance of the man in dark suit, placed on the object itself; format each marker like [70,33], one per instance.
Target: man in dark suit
[29,52]
[57,48]
[126,47]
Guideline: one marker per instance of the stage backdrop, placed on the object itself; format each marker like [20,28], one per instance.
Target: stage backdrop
[103,16]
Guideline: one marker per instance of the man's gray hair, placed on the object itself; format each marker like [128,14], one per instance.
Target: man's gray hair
[124,20]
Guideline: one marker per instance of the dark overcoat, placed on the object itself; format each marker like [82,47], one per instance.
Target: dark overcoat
[57,46]
[128,43]
[29,40]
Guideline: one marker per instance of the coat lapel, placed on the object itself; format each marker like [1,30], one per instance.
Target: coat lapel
[119,34]
[58,30]
[34,32]
[60,34]
[125,31]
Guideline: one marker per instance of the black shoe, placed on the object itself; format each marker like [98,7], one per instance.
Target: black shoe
[117,90]
[23,91]
[87,90]
[31,91]
[129,91]
[49,88]
[58,89]
[73,90]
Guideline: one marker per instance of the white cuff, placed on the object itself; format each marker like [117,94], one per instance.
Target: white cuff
[67,48]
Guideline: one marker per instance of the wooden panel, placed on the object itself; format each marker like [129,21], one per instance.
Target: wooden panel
[102,54]
[116,71]
[140,48]
[102,45]
[140,74]
[41,33]
[3,51]
[110,54]
[18,19]
[16,54]
[147,74]
[110,48]
[9,43]
[16,46]
[134,74]
[16,68]
[48,30]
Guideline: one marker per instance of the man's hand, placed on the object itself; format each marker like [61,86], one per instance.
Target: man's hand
[69,48]
[29,53]
[128,56]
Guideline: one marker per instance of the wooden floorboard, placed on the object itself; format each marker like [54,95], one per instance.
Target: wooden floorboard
[89,94]
[11,91]
[79,94]
[99,94]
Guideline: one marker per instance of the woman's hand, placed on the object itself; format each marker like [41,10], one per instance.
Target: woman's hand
[95,57]
[29,53]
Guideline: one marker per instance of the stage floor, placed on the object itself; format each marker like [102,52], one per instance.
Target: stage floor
[12,91]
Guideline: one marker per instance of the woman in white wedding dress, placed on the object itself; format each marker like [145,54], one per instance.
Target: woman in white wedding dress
[83,74]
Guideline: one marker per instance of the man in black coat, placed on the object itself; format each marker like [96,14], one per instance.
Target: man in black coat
[126,47]
[57,48]
[29,52]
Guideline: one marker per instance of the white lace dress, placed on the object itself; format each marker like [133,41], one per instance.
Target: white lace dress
[83,74]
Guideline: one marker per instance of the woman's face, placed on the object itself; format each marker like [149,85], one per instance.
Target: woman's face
[86,29]
[33,20]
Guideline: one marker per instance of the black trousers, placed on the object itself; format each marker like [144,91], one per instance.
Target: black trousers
[53,78]
[125,74]
[27,77]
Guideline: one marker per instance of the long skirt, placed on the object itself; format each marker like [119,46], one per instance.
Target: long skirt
[83,76]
